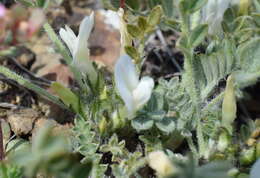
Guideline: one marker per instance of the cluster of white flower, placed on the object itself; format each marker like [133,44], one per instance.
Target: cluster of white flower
[134,92]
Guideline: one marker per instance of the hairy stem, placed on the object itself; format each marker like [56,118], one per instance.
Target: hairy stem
[1,143]
[190,83]
[214,102]
[192,147]
[26,83]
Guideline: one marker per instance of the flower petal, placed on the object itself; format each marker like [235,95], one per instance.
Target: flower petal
[143,92]
[126,80]
[85,30]
[68,38]
[81,55]
[81,45]
[124,91]
[126,70]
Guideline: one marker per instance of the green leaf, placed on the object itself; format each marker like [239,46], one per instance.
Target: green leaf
[84,138]
[183,44]
[132,52]
[59,45]
[67,96]
[118,171]
[167,124]
[256,17]
[28,84]
[49,154]
[155,16]
[142,123]
[172,23]
[134,31]
[244,79]
[157,115]
[42,3]
[257,5]
[134,4]
[213,170]
[113,146]
[168,7]
[191,6]
[210,69]
[27,3]
[198,35]
[155,103]
[142,23]
[249,53]
[152,142]
[8,170]
[153,3]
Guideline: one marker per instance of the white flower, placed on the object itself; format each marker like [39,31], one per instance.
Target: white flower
[116,19]
[255,171]
[135,93]
[78,46]
[111,18]
[213,12]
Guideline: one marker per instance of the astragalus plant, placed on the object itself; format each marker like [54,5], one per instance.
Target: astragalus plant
[185,127]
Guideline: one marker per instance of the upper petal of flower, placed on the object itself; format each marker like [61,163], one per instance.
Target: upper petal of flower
[81,52]
[85,29]
[69,38]
[143,92]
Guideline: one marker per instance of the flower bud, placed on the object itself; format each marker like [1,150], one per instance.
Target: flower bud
[229,107]
[223,141]
[247,156]
[102,126]
[160,163]
[118,119]
[244,6]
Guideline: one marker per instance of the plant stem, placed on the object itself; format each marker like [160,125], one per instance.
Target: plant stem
[214,102]
[190,84]
[60,47]
[1,143]
[63,51]
[26,83]
[192,146]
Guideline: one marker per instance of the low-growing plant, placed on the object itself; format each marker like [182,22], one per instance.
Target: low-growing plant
[128,122]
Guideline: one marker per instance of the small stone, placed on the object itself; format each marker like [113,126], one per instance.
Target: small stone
[58,129]
[21,120]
